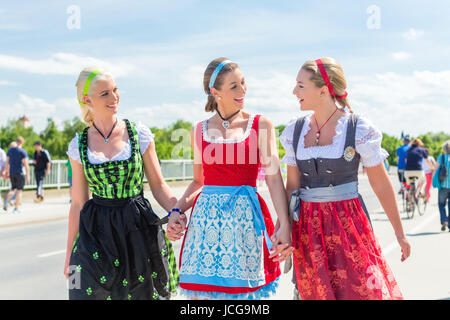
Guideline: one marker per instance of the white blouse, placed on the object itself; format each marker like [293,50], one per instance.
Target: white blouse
[145,137]
[367,140]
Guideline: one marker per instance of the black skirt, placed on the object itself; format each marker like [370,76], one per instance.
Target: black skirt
[121,252]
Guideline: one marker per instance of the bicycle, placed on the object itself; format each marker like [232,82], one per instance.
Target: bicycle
[413,201]
[404,194]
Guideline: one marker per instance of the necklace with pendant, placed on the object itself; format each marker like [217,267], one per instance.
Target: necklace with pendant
[225,122]
[318,129]
[107,138]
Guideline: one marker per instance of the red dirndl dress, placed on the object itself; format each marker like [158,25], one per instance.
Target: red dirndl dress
[337,256]
[225,251]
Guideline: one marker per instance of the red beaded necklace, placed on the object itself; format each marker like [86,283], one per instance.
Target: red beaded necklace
[318,129]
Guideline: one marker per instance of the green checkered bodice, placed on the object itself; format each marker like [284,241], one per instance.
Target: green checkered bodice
[114,179]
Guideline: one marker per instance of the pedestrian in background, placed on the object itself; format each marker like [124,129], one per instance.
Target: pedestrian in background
[2,164]
[42,163]
[428,172]
[13,144]
[444,186]
[401,159]
[16,159]
[2,161]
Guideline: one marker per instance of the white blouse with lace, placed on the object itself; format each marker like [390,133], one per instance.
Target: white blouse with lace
[145,137]
[367,140]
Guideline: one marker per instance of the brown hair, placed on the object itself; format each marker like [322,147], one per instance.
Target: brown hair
[20,140]
[417,143]
[335,74]
[211,103]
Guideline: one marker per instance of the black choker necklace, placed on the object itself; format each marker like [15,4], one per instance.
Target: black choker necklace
[225,122]
[107,138]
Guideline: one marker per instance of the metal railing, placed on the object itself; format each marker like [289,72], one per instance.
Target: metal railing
[58,177]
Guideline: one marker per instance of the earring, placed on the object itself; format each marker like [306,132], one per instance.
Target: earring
[218,98]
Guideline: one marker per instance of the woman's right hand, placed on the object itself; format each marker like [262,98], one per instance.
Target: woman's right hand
[66,267]
[176,226]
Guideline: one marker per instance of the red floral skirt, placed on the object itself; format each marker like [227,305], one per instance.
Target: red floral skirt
[337,256]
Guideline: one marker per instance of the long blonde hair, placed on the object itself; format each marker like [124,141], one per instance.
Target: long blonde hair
[335,74]
[87,116]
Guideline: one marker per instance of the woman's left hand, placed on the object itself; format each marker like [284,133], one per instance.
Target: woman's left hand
[405,247]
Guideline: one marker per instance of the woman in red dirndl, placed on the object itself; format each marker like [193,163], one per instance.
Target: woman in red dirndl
[228,252]
[336,254]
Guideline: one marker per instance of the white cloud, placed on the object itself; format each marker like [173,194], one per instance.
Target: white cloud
[412,34]
[192,77]
[401,55]
[8,83]
[38,110]
[167,113]
[63,64]
[415,103]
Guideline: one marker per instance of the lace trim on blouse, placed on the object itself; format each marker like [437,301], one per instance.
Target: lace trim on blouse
[367,142]
[245,136]
[145,138]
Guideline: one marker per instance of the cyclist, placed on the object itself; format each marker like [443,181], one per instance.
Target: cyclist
[401,162]
[413,168]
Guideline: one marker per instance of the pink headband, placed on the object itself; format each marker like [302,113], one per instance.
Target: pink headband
[324,74]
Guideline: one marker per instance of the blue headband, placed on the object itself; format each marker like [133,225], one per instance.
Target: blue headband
[216,73]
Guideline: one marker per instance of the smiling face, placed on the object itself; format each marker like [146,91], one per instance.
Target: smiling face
[232,92]
[104,97]
[307,93]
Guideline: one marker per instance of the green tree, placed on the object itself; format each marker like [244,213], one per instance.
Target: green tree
[390,144]
[14,129]
[278,131]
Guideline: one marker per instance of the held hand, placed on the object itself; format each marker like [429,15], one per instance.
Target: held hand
[281,244]
[176,226]
[405,246]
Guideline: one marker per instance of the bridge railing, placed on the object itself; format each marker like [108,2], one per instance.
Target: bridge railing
[58,177]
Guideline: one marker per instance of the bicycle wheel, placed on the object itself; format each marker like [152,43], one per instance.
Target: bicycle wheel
[410,207]
[403,200]
[421,205]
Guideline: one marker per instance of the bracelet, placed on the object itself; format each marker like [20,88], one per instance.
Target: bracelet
[174,210]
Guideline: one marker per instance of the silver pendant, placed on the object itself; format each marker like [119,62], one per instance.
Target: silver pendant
[226,124]
[106,140]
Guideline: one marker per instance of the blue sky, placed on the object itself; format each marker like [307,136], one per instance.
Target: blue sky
[398,71]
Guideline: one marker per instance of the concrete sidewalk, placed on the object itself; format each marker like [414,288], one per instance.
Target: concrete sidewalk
[56,206]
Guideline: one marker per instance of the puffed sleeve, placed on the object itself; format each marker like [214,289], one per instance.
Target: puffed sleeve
[73,149]
[286,139]
[145,136]
[368,143]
